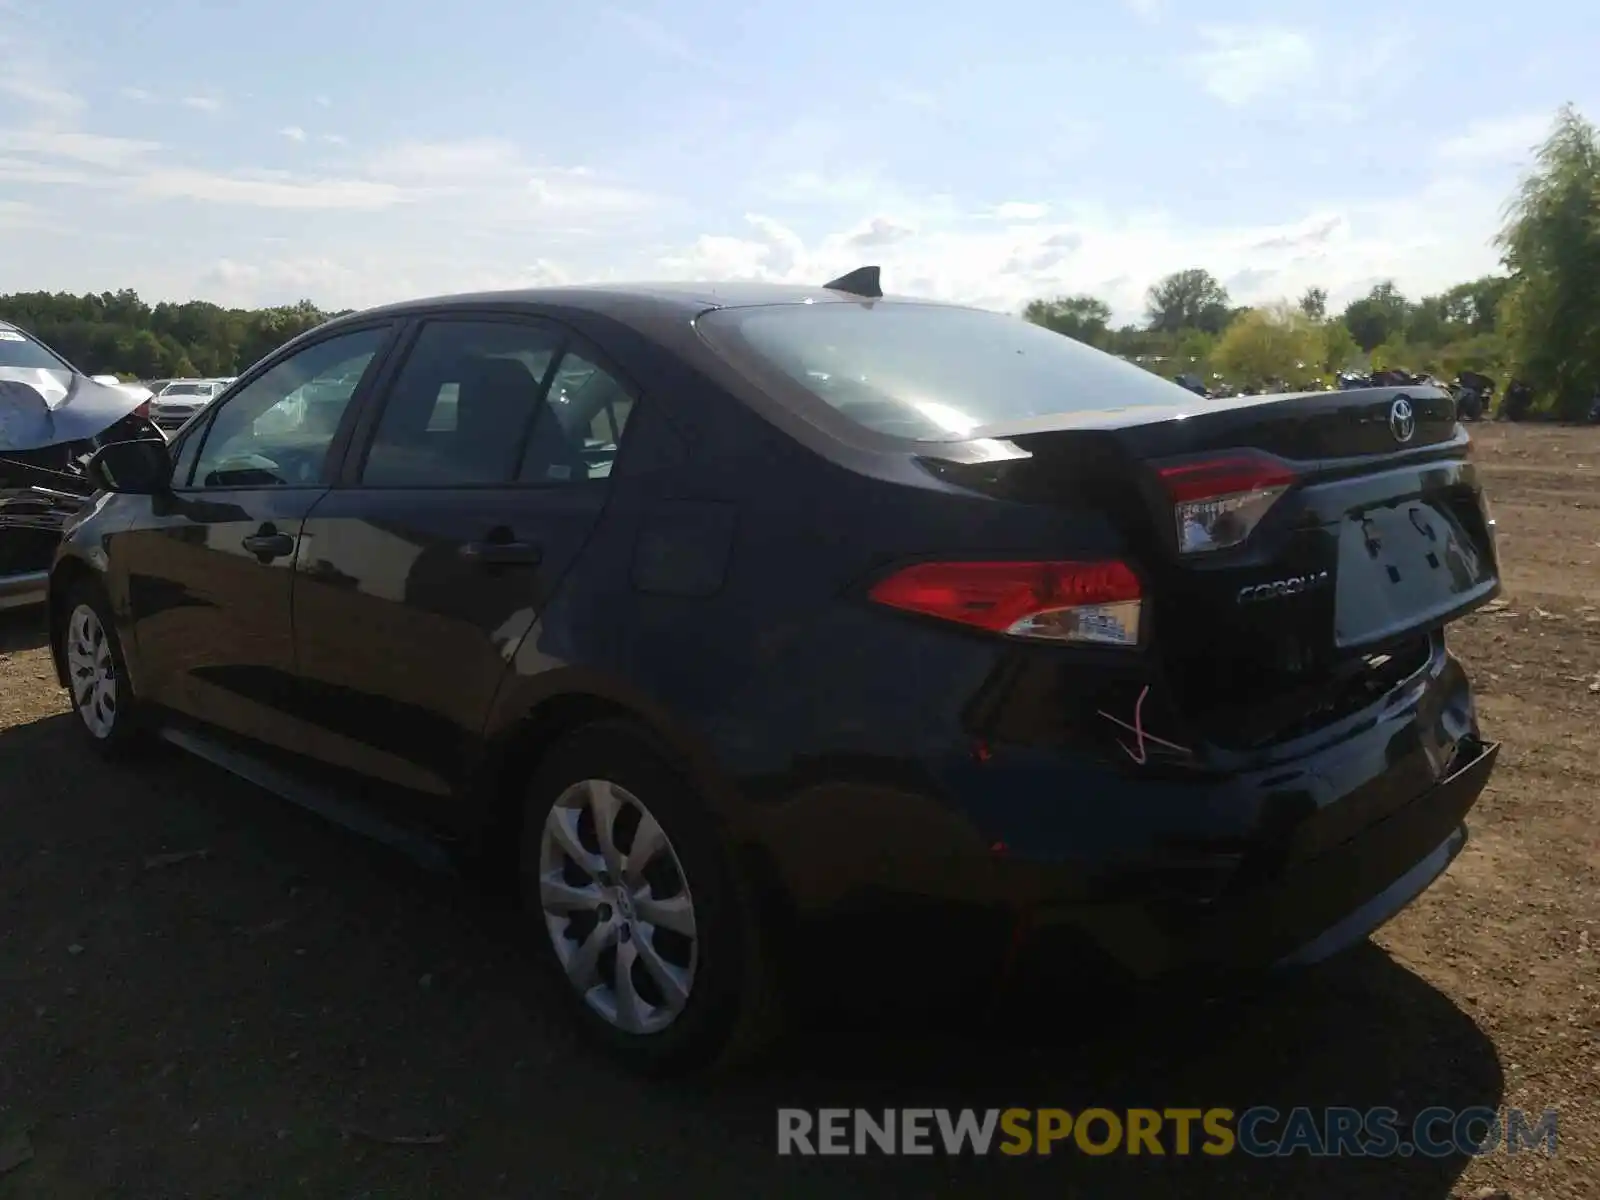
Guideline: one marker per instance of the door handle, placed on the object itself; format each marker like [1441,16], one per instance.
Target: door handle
[502,554]
[267,543]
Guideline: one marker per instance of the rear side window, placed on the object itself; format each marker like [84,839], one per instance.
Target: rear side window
[929,372]
[588,410]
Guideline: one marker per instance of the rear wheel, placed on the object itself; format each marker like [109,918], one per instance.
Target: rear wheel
[636,907]
[97,675]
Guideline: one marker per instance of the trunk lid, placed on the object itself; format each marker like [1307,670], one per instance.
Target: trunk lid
[1378,537]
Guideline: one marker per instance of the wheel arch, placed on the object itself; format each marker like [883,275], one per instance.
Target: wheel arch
[527,727]
[532,715]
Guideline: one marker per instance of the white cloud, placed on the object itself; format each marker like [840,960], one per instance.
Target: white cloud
[714,256]
[89,148]
[1426,241]
[332,139]
[1148,11]
[1020,210]
[1503,139]
[206,104]
[267,190]
[137,95]
[32,171]
[470,160]
[1241,64]
[496,167]
[574,189]
[293,132]
[32,78]
[14,214]
[880,231]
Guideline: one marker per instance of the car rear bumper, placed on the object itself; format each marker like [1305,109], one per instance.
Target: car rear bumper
[1312,910]
[1071,872]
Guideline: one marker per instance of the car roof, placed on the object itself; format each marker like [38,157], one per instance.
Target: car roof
[669,299]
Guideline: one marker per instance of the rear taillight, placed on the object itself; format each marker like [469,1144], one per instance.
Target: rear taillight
[143,410]
[1096,603]
[1218,501]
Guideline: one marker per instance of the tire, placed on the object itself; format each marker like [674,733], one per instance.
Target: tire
[97,677]
[697,995]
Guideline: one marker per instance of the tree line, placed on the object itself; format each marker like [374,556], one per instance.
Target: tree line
[1539,321]
[116,333]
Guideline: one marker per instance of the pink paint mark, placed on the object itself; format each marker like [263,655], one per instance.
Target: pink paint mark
[1138,752]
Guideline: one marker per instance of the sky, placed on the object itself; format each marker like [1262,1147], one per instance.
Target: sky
[989,153]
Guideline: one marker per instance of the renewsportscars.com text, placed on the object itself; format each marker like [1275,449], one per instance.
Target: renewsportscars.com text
[1259,1131]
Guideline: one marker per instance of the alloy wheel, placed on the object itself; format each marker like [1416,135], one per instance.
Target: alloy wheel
[92,671]
[617,907]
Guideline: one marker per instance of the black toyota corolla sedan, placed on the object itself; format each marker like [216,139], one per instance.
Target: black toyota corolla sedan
[795,642]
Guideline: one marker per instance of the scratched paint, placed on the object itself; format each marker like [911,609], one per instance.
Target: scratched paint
[1142,738]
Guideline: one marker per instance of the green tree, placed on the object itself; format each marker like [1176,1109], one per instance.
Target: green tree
[1084,318]
[1314,303]
[1473,306]
[1429,323]
[1268,344]
[1551,245]
[1191,299]
[1194,351]
[1377,316]
[1339,349]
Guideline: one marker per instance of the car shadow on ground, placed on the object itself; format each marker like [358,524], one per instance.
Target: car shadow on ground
[23,629]
[212,992]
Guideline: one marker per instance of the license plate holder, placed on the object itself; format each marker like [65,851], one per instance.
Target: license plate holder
[1402,566]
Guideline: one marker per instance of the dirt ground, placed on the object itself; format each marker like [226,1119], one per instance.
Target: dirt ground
[276,1016]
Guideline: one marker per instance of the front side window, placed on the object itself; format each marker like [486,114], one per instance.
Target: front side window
[462,406]
[930,372]
[276,431]
[185,453]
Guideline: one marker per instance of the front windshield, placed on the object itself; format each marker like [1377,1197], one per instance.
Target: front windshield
[22,352]
[188,389]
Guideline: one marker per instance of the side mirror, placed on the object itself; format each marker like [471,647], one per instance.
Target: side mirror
[138,468]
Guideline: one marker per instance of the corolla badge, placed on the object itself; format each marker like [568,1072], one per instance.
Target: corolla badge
[1277,589]
[1402,420]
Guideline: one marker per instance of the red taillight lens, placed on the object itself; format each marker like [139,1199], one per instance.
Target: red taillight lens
[1217,502]
[143,410]
[1096,603]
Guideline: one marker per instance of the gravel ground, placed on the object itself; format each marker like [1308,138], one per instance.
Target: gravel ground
[290,1011]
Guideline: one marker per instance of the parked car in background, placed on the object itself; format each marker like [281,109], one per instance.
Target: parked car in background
[181,399]
[803,644]
[52,419]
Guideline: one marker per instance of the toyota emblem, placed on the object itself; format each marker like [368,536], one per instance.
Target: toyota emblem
[1402,421]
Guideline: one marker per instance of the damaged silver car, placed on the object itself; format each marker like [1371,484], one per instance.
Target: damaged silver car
[52,419]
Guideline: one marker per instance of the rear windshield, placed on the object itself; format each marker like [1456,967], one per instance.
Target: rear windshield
[930,372]
[20,351]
